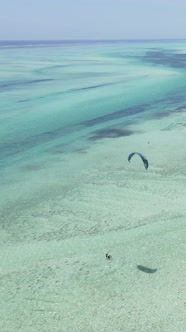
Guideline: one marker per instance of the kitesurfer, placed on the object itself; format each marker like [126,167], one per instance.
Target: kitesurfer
[108,256]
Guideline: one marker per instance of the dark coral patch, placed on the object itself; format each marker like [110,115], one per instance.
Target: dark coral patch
[33,167]
[117,115]
[80,150]
[160,115]
[110,133]
[17,83]
[174,60]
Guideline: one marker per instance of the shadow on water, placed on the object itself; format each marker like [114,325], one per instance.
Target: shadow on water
[146,269]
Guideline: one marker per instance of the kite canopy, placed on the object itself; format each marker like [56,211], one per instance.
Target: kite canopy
[144,159]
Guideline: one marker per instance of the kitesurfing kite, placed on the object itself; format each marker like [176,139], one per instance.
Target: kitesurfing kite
[144,159]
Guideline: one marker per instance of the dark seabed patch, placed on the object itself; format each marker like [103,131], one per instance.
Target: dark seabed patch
[110,133]
[13,148]
[23,101]
[69,91]
[57,150]
[174,126]
[71,65]
[181,109]
[160,115]
[161,57]
[80,150]
[166,113]
[116,115]
[92,87]
[176,98]
[18,83]
[33,167]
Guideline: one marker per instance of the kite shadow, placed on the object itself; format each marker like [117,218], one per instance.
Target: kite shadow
[146,269]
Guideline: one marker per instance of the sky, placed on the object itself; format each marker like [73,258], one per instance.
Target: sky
[92,19]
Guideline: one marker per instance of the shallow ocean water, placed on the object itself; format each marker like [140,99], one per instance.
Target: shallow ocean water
[70,114]
[58,100]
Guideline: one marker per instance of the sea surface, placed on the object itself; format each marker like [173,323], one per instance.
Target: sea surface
[60,98]
[70,113]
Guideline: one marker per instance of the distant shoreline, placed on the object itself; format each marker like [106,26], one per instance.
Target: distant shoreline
[7,44]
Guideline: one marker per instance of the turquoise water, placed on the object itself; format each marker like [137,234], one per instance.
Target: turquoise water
[71,112]
[59,100]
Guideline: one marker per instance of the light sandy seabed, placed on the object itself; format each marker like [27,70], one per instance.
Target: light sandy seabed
[56,278]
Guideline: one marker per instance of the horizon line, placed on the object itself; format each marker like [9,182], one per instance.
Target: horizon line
[76,40]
